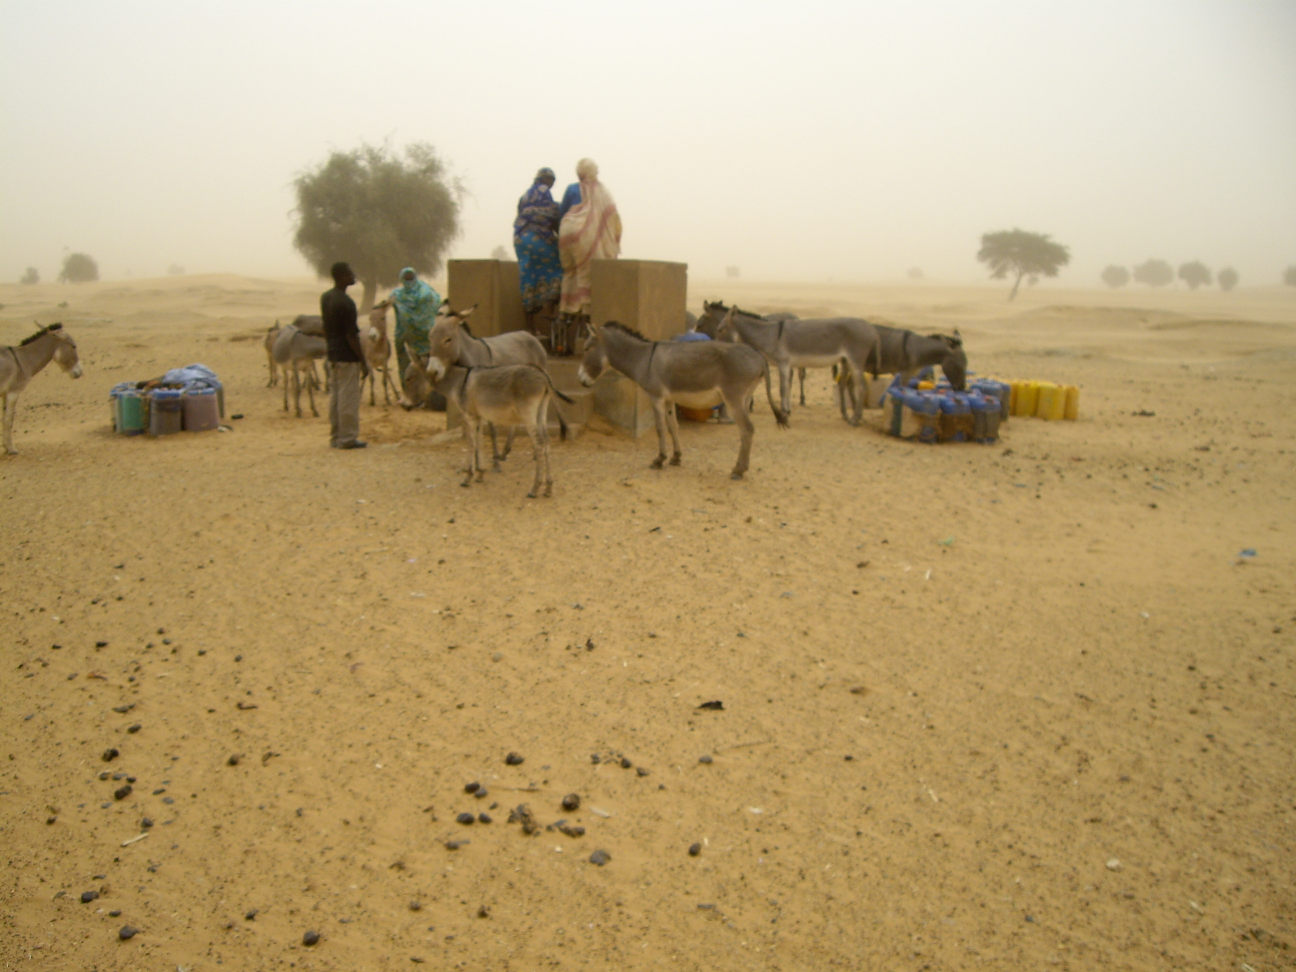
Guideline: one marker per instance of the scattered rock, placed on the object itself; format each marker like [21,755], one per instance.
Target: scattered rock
[513,759]
[311,938]
[522,814]
[695,850]
[714,705]
[472,787]
[571,802]
[1113,864]
[110,754]
[250,914]
[705,758]
[600,857]
[465,818]
[126,933]
[88,896]
[484,818]
[233,760]
[122,792]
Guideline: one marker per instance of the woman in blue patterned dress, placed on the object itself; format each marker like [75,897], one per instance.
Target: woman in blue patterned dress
[535,241]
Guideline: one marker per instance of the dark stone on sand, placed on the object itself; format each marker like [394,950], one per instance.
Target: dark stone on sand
[311,938]
[600,857]
[465,818]
[122,792]
[110,754]
[695,850]
[513,759]
[571,802]
[472,787]
[126,933]
[88,896]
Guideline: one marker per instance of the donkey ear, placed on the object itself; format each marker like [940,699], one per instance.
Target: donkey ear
[467,311]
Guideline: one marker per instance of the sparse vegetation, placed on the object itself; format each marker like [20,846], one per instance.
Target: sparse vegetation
[1194,274]
[1289,276]
[30,276]
[78,268]
[1115,276]
[1020,253]
[1227,278]
[379,212]
[1153,273]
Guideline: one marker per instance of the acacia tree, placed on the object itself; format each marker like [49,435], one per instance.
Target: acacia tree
[78,268]
[1194,274]
[378,212]
[1115,276]
[1154,273]
[1022,254]
[32,276]
[1227,278]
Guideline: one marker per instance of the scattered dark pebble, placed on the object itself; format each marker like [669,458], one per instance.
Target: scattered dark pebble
[311,938]
[714,704]
[570,830]
[146,823]
[416,906]
[50,820]
[101,644]
[122,792]
[88,896]
[110,754]
[233,760]
[126,933]
[484,818]
[115,913]
[134,728]
[705,758]
[465,818]
[571,802]
[482,794]
[454,844]
[472,787]
[600,857]
[641,770]
[522,814]
[250,914]
[513,759]
[625,763]
[695,850]
[123,709]
[483,912]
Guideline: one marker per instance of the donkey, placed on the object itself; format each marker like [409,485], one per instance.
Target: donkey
[816,343]
[905,353]
[377,352]
[511,394]
[696,374]
[272,333]
[19,364]
[453,343]
[295,352]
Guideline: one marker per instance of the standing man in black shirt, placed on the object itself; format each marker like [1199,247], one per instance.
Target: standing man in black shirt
[346,359]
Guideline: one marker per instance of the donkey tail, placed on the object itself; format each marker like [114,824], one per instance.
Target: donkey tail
[779,415]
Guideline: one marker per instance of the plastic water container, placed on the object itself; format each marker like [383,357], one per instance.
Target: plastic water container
[201,410]
[1051,403]
[978,405]
[130,411]
[1072,408]
[922,415]
[894,409]
[166,414]
[1025,398]
[955,417]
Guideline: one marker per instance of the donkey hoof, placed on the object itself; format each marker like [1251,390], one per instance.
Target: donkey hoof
[657,463]
[532,494]
[735,475]
[675,459]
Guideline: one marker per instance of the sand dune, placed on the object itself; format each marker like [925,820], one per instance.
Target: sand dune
[1027,705]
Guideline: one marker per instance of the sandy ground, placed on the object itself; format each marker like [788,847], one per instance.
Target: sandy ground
[1017,706]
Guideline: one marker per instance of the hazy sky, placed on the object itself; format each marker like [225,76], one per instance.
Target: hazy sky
[797,140]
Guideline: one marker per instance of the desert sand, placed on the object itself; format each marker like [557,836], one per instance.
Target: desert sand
[1013,706]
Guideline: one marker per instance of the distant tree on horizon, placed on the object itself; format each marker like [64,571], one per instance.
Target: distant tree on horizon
[1021,254]
[30,276]
[1227,278]
[78,268]
[1154,273]
[1194,273]
[1289,276]
[175,270]
[378,212]
[1115,276]
[915,273]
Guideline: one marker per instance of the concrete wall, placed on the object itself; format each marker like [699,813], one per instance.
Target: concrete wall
[650,296]
[495,287]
